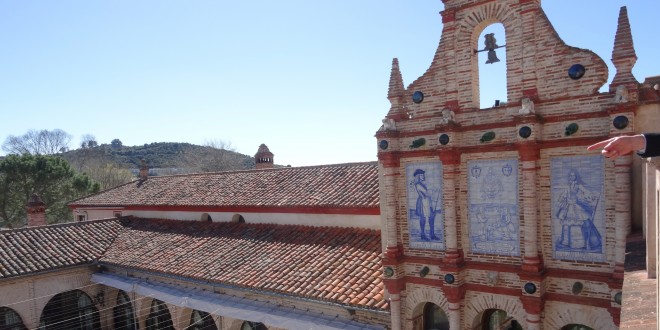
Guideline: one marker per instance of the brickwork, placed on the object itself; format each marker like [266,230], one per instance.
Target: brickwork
[28,296]
[564,115]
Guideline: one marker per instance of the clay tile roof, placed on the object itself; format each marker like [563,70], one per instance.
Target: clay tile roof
[352,185]
[338,265]
[34,249]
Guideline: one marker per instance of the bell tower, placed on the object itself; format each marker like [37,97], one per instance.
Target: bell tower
[264,158]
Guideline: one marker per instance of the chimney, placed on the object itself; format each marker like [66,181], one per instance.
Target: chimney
[264,158]
[144,170]
[36,211]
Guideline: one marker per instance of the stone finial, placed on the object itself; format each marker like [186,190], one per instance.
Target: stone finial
[388,125]
[621,94]
[623,54]
[526,106]
[264,158]
[36,211]
[448,116]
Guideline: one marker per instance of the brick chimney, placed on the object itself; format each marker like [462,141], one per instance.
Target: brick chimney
[264,158]
[144,170]
[36,211]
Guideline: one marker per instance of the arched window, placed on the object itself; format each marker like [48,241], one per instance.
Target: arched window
[70,310]
[238,218]
[498,319]
[492,67]
[10,320]
[247,325]
[206,217]
[435,317]
[201,321]
[576,327]
[123,313]
[159,316]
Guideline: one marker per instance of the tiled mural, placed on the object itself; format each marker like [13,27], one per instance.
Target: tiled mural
[424,198]
[493,207]
[578,210]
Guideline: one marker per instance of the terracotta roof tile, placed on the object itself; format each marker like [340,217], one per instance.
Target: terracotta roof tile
[311,262]
[341,186]
[34,249]
[339,265]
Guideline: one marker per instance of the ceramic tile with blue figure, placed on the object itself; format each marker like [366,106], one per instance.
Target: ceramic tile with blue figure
[578,210]
[424,198]
[493,214]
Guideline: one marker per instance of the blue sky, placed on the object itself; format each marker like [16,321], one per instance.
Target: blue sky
[308,78]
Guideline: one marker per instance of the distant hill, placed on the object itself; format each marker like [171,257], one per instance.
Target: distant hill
[165,157]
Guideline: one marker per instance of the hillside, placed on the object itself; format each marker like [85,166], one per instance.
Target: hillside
[178,157]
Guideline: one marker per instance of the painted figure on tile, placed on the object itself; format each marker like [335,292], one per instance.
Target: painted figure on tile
[484,228]
[425,206]
[505,229]
[576,207]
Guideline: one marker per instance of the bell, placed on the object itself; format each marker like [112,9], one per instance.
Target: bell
[492,57]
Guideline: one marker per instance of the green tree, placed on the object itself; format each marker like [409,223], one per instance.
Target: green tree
[116,144]
[50,177]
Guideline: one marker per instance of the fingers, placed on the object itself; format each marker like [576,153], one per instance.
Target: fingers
[600,144]
[610,148]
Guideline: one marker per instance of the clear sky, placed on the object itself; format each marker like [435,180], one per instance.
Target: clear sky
[307,78]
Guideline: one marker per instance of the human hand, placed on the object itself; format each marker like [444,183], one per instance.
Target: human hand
[620,145]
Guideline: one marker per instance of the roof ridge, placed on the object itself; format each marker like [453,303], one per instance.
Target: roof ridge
[352,164]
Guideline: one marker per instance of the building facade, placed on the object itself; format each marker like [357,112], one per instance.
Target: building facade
[473,217]
[498,216]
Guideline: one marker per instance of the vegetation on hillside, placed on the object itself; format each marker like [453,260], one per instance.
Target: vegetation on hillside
[41,162]
[184,157]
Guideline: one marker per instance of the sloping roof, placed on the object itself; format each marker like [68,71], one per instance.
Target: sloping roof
[340,265]
[30,250]
[352,185]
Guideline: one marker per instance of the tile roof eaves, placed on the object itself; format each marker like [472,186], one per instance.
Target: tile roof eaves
[84,264]
[375,308]
[364,208]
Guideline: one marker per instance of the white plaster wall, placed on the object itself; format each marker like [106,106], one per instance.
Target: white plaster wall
[93,214]
[317,220]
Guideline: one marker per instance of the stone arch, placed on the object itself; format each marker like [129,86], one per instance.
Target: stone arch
[467,40]
[70,310]
[183,321]
[141,307]
[237,218]
[237,324]
[11,319]
[123,310]
[418,297]
[206,217]
[477,303]
[185,317]
[160,315]
[560,314]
